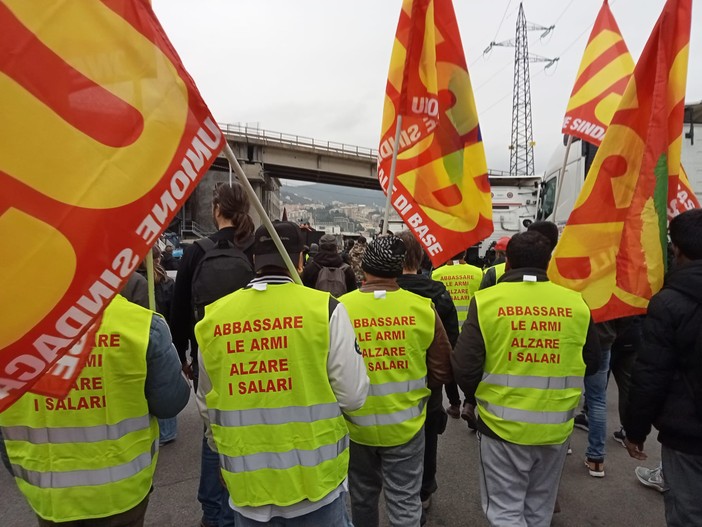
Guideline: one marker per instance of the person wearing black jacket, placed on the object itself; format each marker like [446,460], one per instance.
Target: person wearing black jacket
[328,256]
[422,285]
[230,207]
[666,384]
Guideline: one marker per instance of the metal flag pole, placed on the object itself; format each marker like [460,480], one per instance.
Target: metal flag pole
[561,177]
[391,182]
[229,154]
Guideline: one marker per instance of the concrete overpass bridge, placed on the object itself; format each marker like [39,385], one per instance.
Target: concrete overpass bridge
[267,157]
[287,156]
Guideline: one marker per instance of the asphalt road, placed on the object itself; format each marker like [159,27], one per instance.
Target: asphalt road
[616,500]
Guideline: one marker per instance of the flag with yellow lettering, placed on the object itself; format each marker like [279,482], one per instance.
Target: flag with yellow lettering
[603,75]
[613,248]
[441,188]
[104,135]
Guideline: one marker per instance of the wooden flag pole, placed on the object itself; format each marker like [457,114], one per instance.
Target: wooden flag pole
[393,165]
[229,154]
[149,262]
[562,176]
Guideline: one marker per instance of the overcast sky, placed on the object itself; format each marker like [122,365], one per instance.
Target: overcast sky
[318,68]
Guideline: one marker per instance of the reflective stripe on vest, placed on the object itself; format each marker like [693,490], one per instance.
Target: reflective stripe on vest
[93,453]
[81,478]
[534,334]
[397,387]
[275,416]
[527,416]
[76,434]
[461,309]
[285,460]
[534,381]
[394,331]
[388,419]
[281,446]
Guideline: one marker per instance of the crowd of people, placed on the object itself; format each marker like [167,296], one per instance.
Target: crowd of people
[317,397]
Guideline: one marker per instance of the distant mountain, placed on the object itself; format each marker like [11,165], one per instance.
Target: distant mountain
[321,193]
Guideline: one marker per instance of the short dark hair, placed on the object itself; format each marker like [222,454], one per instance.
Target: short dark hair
[529,249]
[686,233]
[548,229]
[413,256]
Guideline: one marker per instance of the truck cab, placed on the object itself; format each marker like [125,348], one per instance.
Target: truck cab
[514,204]
[582,154]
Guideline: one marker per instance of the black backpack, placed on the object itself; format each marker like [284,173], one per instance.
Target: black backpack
[223,269]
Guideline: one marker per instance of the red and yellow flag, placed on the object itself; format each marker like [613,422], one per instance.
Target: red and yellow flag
[613,247]
[684,198]
[603,75]
[104,135]
[441,188]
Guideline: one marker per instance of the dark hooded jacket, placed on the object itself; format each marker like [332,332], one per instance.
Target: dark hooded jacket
[428,288]
[325,258]
[668,370]
[424,286]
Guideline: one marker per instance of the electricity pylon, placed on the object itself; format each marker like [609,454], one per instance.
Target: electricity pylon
[521,161]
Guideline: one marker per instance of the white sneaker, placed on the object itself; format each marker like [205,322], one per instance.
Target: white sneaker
[651,477]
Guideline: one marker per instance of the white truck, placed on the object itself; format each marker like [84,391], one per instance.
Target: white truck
[581,155]
[515,202]
[514,206]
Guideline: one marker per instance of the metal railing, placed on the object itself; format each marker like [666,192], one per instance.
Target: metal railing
[194,228]
[299,141]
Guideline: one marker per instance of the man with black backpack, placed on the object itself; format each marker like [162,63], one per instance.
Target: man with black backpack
[326,271]
[666,384]
[210,269]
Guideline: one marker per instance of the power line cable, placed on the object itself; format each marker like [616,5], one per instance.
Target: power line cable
[566,50]
[496,32]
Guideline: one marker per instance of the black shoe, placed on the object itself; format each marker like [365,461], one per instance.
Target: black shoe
[426,503]
[580,421]
[468,415]
[619,436]
[454,411]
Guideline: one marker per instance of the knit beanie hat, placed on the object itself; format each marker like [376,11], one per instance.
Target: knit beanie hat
[384,257]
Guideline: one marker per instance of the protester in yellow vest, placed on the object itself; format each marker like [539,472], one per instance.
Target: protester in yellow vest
[279,366]
[90,457]
[462,281]
[407,353]
[497,268]
[523,352]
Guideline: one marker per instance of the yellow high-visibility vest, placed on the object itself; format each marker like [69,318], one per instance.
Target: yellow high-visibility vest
[534,334]
[461,281]
[499,270]
[394,329]
[93,453]
[275,419]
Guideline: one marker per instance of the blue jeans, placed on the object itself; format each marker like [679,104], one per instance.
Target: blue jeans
[596,400]
[212,494]
[331,515]
[167,429]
